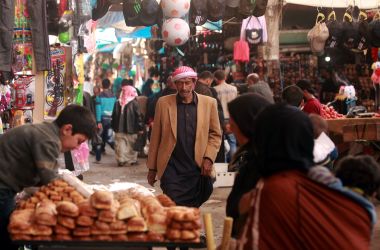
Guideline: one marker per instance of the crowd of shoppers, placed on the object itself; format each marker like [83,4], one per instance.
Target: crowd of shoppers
[281,198]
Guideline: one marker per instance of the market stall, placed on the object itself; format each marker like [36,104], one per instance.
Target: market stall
[355,129]
[69,214]
[363,132]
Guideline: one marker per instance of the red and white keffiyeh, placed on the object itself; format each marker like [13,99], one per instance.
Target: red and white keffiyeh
[128,93]
[183,72]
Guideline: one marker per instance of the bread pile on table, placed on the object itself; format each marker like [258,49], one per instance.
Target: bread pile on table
[128,217]
[183,224]
[56,191]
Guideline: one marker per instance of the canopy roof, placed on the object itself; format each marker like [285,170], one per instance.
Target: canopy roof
[363,4]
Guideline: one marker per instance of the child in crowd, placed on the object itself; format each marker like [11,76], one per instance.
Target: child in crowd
[361,174]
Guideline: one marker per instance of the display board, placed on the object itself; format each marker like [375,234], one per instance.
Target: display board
[56,81]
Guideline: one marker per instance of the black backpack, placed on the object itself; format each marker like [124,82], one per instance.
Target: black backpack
[335,31]
[355,31]
[252,7]
[374,30]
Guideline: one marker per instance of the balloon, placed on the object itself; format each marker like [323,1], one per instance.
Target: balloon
[175,31]
[175,8]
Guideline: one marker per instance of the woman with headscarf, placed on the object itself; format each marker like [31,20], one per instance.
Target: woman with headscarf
[243,111]
[287,209]
[127,124]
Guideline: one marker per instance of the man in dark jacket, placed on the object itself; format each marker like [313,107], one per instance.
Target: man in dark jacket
[152,101]
[203,87]
[127,124]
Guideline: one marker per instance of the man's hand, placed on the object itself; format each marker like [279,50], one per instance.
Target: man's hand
[151,177]
[100,125]
[206,167]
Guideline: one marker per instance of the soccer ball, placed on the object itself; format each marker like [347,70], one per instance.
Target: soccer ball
[175,31]
[175,8]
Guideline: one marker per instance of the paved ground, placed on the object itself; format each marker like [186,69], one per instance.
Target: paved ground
[108,172]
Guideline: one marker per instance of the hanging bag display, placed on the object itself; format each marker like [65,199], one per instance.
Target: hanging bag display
[374,30]
[363,29]
[241,51]
[355,31]
[254,35]
[252,7]
[335,31]
[318,35]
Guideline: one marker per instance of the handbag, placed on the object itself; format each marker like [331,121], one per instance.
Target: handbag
[318,35]
[254,36]
[241,51]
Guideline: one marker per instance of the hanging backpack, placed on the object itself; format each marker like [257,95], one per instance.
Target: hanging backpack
[260,8]
[335,31]
[252,7]
[355,31]
[374,30]
[364,34]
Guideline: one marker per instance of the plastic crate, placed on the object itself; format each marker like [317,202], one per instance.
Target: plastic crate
[221,167]
[224,179]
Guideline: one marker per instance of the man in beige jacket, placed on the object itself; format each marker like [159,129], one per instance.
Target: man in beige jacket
[185,140]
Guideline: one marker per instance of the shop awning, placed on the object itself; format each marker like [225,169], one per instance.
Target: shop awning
[363,4]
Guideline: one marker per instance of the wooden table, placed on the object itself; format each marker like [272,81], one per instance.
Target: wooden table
[346,131]
[355,129]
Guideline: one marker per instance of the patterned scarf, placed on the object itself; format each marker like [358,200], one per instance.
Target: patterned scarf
[128,93]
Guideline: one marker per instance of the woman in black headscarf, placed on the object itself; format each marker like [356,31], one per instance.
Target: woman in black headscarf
[243,111]
[287,209]
[285,141]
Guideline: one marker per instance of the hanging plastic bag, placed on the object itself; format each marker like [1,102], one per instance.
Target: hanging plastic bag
[80,159]
[318,35]
[241,51]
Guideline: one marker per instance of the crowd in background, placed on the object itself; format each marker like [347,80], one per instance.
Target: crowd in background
[271,147]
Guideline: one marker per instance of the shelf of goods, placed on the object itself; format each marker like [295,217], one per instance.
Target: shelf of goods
[63,215]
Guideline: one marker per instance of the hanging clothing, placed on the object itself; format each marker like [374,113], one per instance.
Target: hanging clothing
[124,152]
[254,23]
[40,36]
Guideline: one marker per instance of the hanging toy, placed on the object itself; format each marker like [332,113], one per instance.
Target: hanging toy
[375,77]
[65,27]
[376,73]
[175,8]
[175,31]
